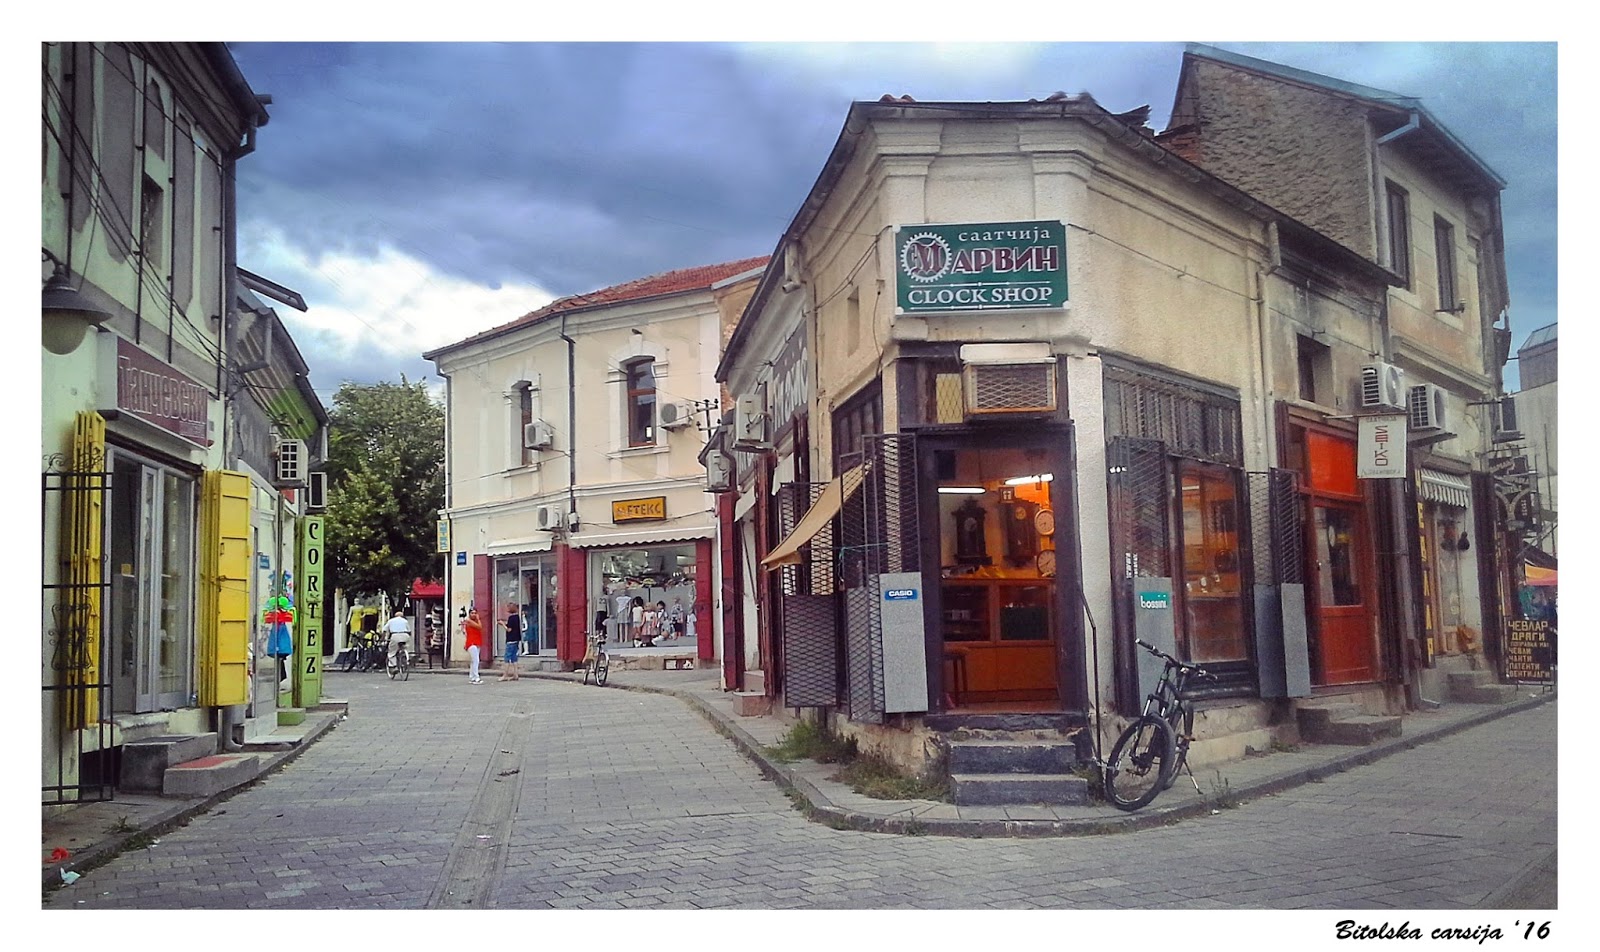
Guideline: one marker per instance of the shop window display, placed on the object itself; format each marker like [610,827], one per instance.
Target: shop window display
[648,595]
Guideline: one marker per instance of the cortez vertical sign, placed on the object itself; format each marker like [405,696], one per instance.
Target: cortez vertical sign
[308,643]
[983,266]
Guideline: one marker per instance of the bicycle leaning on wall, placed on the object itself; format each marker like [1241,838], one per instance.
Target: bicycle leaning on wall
[1147,757]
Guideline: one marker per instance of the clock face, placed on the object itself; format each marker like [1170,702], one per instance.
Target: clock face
[1044,522]
[1046,563]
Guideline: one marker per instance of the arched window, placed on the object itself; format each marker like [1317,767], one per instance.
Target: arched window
[640,403]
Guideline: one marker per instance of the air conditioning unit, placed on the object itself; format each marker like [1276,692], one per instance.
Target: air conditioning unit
[719,473]
[1506,430]
[676,415]
[1426,407]
[749,423]
[991,389]
[317,491]
[550,518]
[294,462]
[1382,385]
[538,435]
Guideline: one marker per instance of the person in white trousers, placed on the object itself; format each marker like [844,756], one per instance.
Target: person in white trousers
[472,627]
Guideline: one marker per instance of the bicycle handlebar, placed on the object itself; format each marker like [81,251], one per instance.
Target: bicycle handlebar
[1193,669]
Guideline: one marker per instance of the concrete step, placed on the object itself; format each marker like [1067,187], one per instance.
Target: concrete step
[146,761]
[208,776]
[1013,789]
[1479,687]
[1012,756]
[751,704]
[1312,718]
[289,716]
[1357,730]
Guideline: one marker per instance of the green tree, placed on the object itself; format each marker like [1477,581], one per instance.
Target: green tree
[385,486]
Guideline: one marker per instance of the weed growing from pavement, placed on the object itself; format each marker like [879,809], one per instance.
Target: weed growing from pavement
[870,774]
[121,826]
[1222,796]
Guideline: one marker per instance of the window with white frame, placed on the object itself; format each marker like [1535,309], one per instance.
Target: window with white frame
[639,406]
[521,416]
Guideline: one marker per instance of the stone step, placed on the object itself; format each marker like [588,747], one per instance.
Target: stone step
[751,704]
[208,776]
[146,761]
[1479,687]
[289,716]
[1357,730]
[1012,756]
[1315,717]
[1012,789]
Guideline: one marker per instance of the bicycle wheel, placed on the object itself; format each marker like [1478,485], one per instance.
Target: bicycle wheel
[393,668]
[405,666]
[602,666]
[1137,768]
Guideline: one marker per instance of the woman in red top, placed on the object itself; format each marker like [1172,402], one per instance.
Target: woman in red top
[473,626]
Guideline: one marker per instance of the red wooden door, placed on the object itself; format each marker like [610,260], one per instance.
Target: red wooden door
[1344,594]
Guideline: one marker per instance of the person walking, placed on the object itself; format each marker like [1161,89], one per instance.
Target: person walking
[399,630]
[472,628]
[513,627]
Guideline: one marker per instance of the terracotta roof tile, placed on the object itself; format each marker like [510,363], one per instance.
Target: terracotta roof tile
[667,282]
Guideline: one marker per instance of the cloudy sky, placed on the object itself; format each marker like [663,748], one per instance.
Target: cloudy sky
[418,193]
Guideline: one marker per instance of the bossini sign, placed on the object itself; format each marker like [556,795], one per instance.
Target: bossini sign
[986,266]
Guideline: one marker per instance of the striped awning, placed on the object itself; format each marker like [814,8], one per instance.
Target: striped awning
[1447,489]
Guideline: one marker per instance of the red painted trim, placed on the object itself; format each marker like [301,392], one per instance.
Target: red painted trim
[572,603]
[732,596]
[705,641]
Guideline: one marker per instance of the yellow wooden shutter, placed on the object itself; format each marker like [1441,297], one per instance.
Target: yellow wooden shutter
[224,633]
[82,533]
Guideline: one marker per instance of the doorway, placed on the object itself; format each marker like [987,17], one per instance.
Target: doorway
[1344,595]
[152,592]
[999,617]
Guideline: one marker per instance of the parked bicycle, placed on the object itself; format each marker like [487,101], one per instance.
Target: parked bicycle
[363,654]
[1147,757]
[595,659]
[400,666]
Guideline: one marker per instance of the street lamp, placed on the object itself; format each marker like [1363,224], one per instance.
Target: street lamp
[68,314]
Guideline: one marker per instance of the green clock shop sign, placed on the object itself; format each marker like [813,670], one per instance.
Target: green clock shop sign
[983,266]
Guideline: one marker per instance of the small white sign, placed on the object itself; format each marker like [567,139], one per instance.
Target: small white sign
[1381,447]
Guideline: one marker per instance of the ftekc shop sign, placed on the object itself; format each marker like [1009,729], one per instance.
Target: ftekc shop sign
[983,266]
[648,509]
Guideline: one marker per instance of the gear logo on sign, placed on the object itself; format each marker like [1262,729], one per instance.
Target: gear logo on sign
[925,257]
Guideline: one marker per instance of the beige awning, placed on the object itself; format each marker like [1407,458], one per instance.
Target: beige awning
[824,509]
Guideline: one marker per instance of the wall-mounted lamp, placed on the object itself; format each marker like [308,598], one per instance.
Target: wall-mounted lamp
[68,315]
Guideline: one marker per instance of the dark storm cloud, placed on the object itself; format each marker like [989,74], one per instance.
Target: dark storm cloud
[572,166]
[575,166]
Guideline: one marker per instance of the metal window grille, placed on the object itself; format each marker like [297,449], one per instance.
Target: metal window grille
[79,688]
[1139,489]
[1275,528]
[1190,420]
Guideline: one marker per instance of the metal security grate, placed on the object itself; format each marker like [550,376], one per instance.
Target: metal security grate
[807,606]
[1275,530]
[1139,490]
[1010,388]
[1190,420]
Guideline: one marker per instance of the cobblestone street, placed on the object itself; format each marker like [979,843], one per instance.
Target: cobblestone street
[546,794]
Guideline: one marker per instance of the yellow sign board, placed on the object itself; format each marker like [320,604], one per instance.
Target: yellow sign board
[649,509]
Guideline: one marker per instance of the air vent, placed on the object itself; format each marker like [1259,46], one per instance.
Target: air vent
[676,415]
[538,435]
[1427,408]
[1382,385]
[993,389]
[749,424]
[719,473]
[293,462]
[1506,429]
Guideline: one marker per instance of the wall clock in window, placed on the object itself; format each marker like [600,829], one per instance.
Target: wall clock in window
[1046,563]
[1044,522]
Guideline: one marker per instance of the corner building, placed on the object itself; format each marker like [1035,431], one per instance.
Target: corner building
[1056,399]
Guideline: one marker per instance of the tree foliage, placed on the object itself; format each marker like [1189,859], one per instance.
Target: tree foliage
[385,487]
